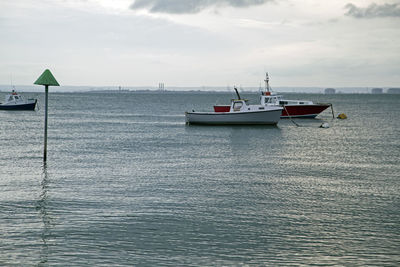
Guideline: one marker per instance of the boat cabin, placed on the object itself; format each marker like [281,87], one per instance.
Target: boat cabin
[242,105]
[270,100]
[238,105]
[277,100]
[14,98]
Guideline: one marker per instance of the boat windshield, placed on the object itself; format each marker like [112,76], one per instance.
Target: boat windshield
[271,100]
[237,105]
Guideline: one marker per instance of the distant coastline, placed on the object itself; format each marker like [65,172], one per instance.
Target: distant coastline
[198,89]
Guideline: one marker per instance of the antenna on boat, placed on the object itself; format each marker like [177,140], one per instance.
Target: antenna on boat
[12,84]
[237,93]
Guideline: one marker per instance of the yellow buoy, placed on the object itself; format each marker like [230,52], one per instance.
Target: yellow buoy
[342,116]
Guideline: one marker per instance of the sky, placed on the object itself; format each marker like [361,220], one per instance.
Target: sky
[340,43]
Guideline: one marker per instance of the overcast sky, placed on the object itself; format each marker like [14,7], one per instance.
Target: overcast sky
[201,42]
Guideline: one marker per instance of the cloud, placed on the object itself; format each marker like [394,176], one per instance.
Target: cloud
[190,6]
[373,11]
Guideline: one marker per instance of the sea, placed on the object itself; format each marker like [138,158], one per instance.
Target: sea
[128,183]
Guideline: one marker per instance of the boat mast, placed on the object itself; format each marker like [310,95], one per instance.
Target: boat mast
[267,88]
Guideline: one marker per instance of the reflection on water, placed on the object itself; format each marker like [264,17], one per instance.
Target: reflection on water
[42,207]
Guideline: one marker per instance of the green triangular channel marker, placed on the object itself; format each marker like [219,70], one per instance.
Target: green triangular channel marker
[47,79]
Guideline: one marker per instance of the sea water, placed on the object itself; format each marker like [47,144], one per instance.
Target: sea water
[127,183]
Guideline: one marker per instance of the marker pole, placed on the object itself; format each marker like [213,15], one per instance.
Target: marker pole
[45,123]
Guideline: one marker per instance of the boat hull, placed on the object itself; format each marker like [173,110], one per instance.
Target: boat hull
[303,111]
[292,111]
[265,117]
[26,106]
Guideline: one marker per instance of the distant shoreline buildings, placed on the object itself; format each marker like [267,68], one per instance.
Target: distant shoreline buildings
[393,91]
[376,91]
[330,91]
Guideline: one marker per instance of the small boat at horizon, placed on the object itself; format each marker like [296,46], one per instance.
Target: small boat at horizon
[240,113]
[291,108]
[15,101]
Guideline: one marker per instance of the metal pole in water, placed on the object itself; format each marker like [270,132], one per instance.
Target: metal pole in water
[45,122]
[46,79]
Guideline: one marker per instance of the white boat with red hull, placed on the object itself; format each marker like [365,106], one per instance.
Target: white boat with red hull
[291,108]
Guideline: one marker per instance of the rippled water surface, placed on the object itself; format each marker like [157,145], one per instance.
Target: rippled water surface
[128,183]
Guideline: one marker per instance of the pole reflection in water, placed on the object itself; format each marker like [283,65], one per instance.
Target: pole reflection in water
[42,206]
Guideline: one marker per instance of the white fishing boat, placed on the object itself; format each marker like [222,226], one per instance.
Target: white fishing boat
[15,101]
[240,113]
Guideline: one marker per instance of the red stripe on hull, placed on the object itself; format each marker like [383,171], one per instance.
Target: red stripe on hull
[222,108]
